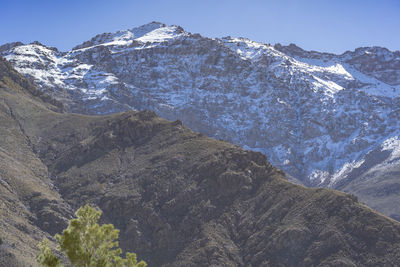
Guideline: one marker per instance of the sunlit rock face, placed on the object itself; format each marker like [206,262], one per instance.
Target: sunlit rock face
[315,115]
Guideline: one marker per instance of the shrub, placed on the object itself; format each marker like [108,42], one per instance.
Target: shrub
[85,243]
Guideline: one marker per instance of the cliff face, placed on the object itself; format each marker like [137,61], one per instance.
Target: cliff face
[179,198]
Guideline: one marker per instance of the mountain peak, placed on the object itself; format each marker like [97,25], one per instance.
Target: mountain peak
[374,51]
[148,27]
[9,46]
[150,32]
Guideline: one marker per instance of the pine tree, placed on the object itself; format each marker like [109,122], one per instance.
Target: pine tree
[87,244]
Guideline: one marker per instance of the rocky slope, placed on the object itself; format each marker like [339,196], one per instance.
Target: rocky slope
[179,198]
[29,205]
[315,115]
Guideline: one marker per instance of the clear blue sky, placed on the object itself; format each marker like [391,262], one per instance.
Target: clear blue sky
[325,25]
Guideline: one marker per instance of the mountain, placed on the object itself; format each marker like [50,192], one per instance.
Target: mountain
[179,197]
[324,119]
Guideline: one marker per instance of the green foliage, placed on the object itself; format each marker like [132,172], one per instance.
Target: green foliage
[46,257]
[85,243]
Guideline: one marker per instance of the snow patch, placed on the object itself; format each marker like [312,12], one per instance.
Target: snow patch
[344,171]
[159,35]
[392,144]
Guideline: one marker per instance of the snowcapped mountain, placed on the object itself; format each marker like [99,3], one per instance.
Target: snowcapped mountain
[315,115]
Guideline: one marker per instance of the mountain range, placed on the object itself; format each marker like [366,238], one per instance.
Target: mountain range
[179,198]
[327,120]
